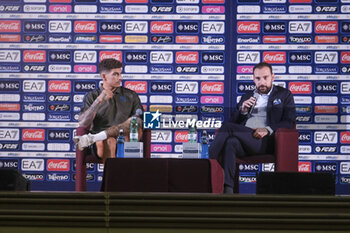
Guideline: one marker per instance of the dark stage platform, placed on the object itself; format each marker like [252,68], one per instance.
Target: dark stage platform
[164,212]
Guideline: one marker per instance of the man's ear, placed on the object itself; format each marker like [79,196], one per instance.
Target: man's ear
[103,76]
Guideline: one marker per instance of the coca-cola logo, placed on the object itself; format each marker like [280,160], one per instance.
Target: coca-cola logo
[212,88]
[326,27]
[34,56]
[111,54]
[59,86]
[345,57]
[58,165]
[33,135]
[274,57]
[10,26]
[181,136]
[304,167]
[248,27]
[85,26]
[345,137]
[162,27]
[138,87]
[187,57]
[300,87]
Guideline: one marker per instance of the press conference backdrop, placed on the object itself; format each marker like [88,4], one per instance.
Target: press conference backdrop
[186,58]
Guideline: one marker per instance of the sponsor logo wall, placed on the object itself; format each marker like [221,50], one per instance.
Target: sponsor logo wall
[307,43]
[174,57]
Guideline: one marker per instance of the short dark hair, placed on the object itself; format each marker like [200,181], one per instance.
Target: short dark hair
[262,65]
[109,64]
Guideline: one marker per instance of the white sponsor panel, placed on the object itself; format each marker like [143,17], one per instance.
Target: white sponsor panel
[182,87]
[161,99]
[143,98]
[305,149]
[300,69]
[185,117]
[63,26]
[33,116]
[161,136]
[327,137]
[248,9]
[187,9]
[161,57]
[212,69]
[32,165]
[35,1]
[187,1]
[85,56]
[345,9]
[34,8]
[345,149]
[10,97]
[327,57]
[326,99]
[85,9]
[34,86]
[78,98]
[9,134]
[268,167]
[58,147]
[9,116]
[345,87]
[100,167]
[33,146]
[281,84]
[344,167]
[111,1]
[300,27]
[326,119]
[345,119]
[213,27]
[300,9]
[136,9]
[178,148]
[302,99]
[135,69]
[136,27]
[275,1]
[251,57]
[60,68]
[279,69]
[10,55]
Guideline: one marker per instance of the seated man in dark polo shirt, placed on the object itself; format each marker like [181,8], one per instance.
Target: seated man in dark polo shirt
[107,110]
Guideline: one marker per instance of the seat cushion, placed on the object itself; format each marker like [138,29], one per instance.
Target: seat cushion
[265,158]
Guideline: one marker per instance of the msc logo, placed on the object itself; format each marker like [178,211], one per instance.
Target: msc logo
[9,85]
[136,57]
[328,87]
[326,167]
[213,57]
[274,27]
[34,26]
[161,57]
[64,26]
[163,87]
[187,27]
[213,27]
[116,27]
[301,27]
[300,57]
[304,137]
[243,87]
[136,27]
[85,86]
[63,134]
[60,56]
[151,120]
[249,167]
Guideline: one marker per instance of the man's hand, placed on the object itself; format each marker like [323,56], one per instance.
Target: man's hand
[260,133]
[105,95]
[246,105]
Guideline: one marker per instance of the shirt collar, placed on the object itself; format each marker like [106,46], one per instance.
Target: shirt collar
[118,90]
[268,94]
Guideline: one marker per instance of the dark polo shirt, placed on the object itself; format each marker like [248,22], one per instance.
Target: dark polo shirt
[114,111]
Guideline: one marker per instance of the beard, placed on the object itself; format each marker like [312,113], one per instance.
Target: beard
[264,89]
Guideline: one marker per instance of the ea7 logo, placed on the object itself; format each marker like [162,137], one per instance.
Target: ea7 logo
[60,26]
[326,57]
[10,56]
[9,134]
[161,57]
[186,87]
[161,136]
[213,27]
[301,27]
[85,56]
[248,57]
[34,86]
[326,137]
[136,27]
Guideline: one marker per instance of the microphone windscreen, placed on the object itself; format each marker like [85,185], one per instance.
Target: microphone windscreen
[138,112]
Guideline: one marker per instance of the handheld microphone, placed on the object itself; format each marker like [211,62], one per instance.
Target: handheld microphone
[138,112]
[256,96]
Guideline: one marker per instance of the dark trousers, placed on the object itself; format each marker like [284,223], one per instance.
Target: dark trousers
[231,141]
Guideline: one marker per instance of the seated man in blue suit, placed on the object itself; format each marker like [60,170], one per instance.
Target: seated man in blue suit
[256,117]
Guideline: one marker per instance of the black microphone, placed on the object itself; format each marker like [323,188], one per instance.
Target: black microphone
[256,96]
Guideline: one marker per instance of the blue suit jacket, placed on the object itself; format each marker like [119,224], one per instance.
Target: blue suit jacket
[280,109]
